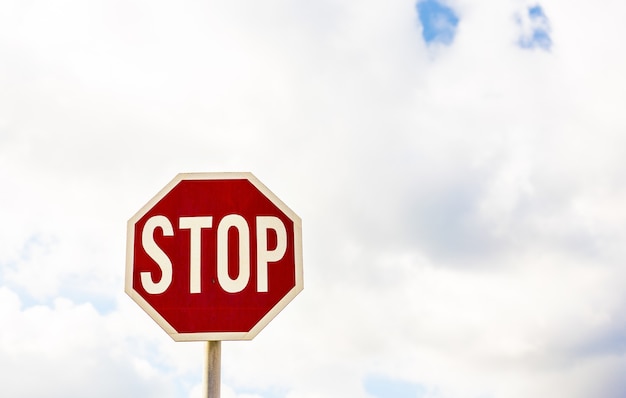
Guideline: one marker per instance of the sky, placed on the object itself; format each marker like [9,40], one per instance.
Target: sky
[458,166]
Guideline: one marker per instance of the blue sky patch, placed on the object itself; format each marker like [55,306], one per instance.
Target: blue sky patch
[536,12]
[439,22]
[535,29]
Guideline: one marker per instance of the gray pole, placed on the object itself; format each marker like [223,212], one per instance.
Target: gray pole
[212,368]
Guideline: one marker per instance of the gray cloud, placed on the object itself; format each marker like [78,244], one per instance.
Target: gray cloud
[462,206]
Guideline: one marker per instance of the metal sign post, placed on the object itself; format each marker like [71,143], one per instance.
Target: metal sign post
[212,369]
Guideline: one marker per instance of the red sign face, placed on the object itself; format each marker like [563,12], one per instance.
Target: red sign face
[214,256]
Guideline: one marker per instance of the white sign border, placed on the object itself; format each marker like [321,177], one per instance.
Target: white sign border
[130,240]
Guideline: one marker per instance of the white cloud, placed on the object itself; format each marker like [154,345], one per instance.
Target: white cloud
[462,209]
[68,349]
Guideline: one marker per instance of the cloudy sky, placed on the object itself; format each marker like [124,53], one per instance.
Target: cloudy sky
[459,167]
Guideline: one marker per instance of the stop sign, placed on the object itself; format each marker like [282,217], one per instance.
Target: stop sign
[214,256]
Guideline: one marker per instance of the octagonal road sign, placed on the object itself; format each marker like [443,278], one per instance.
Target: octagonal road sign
[214,256]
